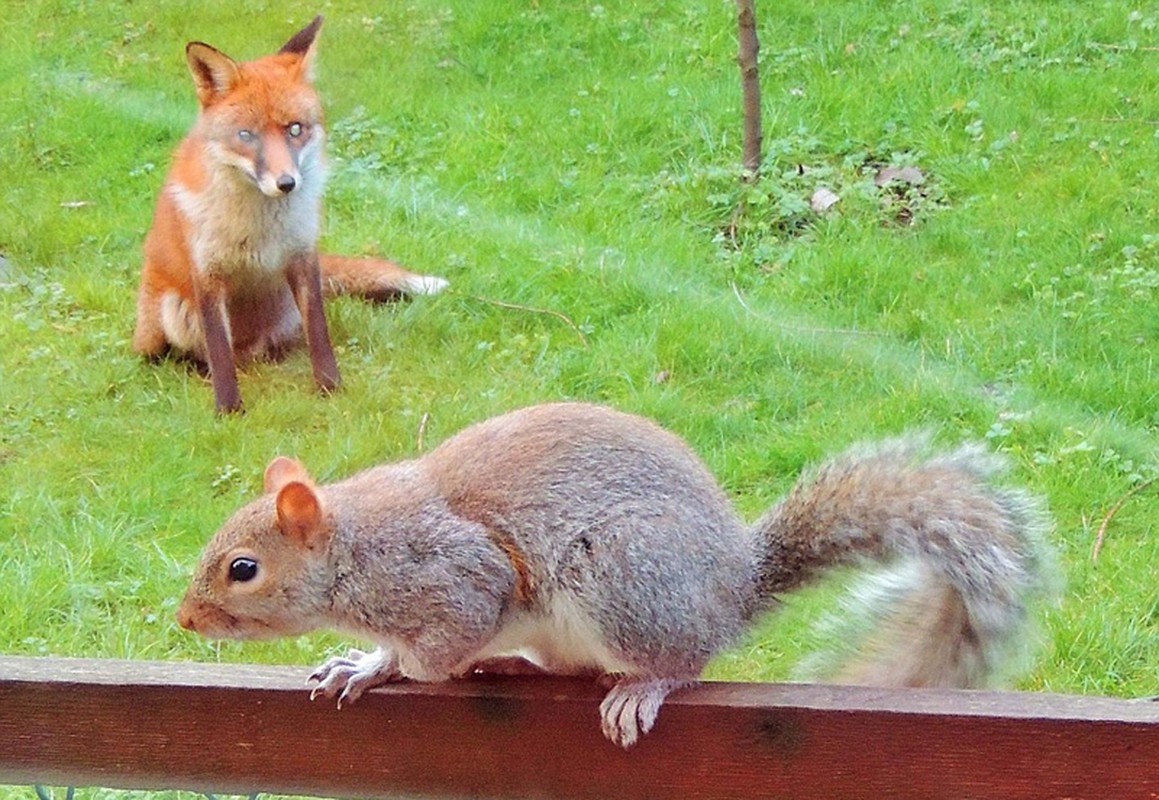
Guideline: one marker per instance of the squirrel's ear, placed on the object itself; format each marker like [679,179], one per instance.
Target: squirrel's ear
[282,470]
[300,514]
[214,73]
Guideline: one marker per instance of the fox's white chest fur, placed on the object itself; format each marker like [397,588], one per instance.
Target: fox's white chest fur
[242,234]
[246,237]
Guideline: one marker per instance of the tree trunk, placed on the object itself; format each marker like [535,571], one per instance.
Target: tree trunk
[749,46]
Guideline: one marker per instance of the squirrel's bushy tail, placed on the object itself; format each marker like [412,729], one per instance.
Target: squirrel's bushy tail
[961,558]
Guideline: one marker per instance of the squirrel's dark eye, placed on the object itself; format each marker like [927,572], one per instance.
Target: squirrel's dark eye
[246,135]
[243,569]
[295,129]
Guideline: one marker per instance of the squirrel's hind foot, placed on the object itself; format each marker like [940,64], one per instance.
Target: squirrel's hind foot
[629,710]
[347,677]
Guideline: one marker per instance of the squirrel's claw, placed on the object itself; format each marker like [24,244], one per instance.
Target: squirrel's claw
[629,710]
[326,668]
[347,677]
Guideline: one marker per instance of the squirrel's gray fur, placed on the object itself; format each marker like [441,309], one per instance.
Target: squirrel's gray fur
[590,541]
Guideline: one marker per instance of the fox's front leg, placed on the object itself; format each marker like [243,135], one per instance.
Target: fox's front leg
[210,296]
[305,279]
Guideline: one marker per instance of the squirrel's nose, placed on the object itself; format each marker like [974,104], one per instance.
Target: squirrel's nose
[185,617]
[286,183]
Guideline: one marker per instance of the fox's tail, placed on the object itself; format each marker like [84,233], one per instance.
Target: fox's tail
[374,278]
[961,559]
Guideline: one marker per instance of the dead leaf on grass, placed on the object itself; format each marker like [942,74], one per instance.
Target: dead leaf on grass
[910,175]
[823,199]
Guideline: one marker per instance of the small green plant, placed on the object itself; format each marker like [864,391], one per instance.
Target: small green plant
[805,181]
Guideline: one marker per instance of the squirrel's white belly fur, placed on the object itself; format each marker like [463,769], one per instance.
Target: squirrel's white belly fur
[561,637]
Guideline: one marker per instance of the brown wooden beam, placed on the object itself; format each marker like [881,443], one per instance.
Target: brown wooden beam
[234,728]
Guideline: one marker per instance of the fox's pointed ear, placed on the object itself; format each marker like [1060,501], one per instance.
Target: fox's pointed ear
[301,516]
[302,44]
[281,471]
[214,73]
[303,40]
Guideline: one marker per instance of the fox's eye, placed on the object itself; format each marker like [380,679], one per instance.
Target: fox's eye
[242,570]
[246,135]
[295,129]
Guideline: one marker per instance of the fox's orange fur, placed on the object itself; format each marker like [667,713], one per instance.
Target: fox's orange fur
[231,269]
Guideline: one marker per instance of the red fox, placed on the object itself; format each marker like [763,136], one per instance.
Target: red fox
[231,269]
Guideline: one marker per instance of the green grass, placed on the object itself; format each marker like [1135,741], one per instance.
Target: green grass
[584,159]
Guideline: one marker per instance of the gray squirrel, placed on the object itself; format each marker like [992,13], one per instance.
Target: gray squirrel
[574,539]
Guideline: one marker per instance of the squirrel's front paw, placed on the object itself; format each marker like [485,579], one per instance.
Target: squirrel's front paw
[347,677]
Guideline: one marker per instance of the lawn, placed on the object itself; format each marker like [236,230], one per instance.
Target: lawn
[573,170]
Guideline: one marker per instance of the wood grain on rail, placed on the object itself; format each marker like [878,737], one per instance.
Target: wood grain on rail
[243,728]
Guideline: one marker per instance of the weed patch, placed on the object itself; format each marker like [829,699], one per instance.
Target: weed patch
[804,181]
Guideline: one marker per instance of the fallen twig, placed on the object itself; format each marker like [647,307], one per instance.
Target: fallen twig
[1132,120]
[1109,46]
[1114,510]
[534,310]
[422,429]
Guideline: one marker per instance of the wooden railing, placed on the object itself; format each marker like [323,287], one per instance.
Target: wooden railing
[154,725]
